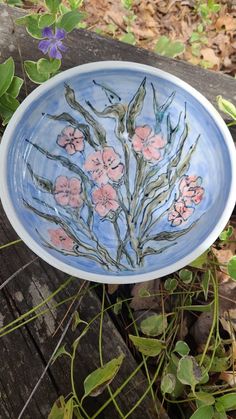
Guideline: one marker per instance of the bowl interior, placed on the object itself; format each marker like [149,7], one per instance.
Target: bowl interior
[117,172]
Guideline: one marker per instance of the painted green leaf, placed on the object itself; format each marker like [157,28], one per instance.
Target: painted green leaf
[200,261]
[45,66]
[227,107]
[226,402]
[170,284]
[57,411]
[46,20]
[168,383]
[41,182]
[147,346]
[154,325]
[15,86]
[206,412]
[232,267]
[181,348]
[226,234]
[135,107]
[186,276]
[128,38]
[68,410]
[189,372]
[6,75]
[53,5]
[70,20]
[96,382]
[8,106]
[33,73]
[165,46]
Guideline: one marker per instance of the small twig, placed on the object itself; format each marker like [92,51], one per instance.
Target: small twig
[16,273]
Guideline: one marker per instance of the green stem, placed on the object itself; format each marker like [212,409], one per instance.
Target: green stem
[148,388]
[214,321]
[4,246]
[144,360]
[73,383]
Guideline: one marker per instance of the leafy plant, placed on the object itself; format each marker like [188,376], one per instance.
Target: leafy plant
[165,46]
[10,86]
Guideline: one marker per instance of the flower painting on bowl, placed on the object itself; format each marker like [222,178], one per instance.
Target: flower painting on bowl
[115,173]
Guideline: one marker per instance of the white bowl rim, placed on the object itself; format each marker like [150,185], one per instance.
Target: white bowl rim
[114,279]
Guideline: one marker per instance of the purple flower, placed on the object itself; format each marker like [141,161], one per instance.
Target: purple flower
[53,45]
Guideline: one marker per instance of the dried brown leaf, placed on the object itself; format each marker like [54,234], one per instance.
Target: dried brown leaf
[226,22]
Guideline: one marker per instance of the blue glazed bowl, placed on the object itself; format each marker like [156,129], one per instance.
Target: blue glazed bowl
[117,172]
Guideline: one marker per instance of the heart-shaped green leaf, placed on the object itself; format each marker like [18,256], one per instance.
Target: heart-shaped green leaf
[154,325]
[97,381]
[147,346]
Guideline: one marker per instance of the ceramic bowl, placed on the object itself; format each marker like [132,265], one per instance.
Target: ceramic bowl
[117,172]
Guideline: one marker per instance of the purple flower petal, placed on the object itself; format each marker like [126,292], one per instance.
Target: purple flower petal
[54,53]
[44,46]
[60,34]
[47,33]
[62,47]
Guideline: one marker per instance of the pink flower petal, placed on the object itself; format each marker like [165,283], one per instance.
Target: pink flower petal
[59,238]
[62,198]
[78,144]
[177,221]
[179,206]
[116,173]
[97,195]
[61,183]
[191,178]
[94,161]
[78,134]
[157,141]
[70,149]
[101,209]
[75,201]
[172,215]
[187,213]
[110,157]
[137,143]
[150,154]
[100,177]
[143,132]
[68,131]
[75,185]
[113,205]
[182,185]
[109,192]
[62,140]
[198,196]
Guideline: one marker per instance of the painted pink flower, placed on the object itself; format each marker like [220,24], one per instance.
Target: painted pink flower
[105,200]
[71,139]
[145,142]
[190,189]
[67,192]
[179,213]
[104,166]
[59,239]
